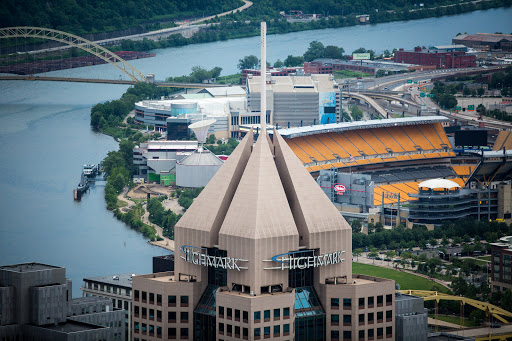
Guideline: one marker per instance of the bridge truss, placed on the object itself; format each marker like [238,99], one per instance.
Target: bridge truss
[75,41]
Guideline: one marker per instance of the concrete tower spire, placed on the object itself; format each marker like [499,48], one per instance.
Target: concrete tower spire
[263,59]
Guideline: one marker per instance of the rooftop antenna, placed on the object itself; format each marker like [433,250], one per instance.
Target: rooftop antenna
[263,80]
[200,129]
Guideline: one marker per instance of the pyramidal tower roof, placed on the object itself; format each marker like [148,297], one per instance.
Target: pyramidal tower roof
[260,208]
[207,213]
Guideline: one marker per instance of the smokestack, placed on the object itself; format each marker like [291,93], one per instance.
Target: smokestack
[263,83]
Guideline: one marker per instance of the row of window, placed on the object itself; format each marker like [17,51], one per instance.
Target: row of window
[347,319]
[171,299]
[276,331]
[108,288]
[347,334]
[347,302]
[143,328]
[171,315]
[228,314]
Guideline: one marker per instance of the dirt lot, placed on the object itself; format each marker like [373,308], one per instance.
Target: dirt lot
[141,191]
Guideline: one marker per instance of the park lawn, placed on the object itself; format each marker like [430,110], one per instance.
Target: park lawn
[486,258]
[350,74]
[121,203]
[454,319]
[481,262]
[406,280]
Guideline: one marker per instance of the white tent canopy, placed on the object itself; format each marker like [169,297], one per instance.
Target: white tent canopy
[438,183]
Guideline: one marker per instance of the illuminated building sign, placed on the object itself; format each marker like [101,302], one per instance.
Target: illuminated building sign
[200,258]
[340,189]
[289,261]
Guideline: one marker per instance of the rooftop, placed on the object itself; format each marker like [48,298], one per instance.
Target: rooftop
[313,83]
[122,280]
[72,327]
[225,91]
[28,267]
[203,158]
[345,126]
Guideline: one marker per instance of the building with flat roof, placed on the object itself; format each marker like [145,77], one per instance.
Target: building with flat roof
[328,66]
[501,262]
[117,288]
[485,41]
[295,100]
[440,58]
[284,71]
[411,318]
[36,304]
[262,253]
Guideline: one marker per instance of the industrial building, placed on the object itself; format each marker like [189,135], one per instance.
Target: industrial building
[440,58]
[275,72]
[156,160]
[501,262]
[196,170]
[36,304]
[118,289]
[295,100]
[485,41]
[328,66]
[411,318]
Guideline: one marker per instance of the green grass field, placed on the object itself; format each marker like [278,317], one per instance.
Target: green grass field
[486,258]
[121,203]
[406,280]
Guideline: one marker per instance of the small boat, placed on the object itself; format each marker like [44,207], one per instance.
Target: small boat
[90,170]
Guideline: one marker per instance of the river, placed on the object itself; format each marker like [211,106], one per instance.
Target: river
[46,139]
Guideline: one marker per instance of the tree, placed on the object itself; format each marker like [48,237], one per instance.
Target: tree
[466,92]
[333,52]
[357,253]
[316,50]
[390,255]
[373,255]
[356,226]
[293,61]
[248,62]
[278,64]
[481,92]
[379,227]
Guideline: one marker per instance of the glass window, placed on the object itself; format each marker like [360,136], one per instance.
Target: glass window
[184,301]
[144,312]
[159,330]
[171,315]
[237,331]
[257,332]
[136,309]
[277,313]
[171,332]
[184,316]
[151,329]
[380,332]
[389,331]
[277,330]
[171,299]
[125,305]
[335,334]
[246,316]
[370,317]
[335,302]
[159,314]
[370,301]
[136,295]
[389,298]
[151,297]
[380,299]
[389,314]
[347,318]
[230,329]
[151,313]
[184,332]
[286,312]
[361,334]
[371,333]
[221,327]
[361,318]
[347,335]
[286,328]
[246,332]
[380,315]
[230,312]
[136,327]
[266,331]
[347,303]
[266,314]
[144,328]
[159,299]
[257,315]
[221,311]
[237,314]
[361,301]
[144,295]
[335,318]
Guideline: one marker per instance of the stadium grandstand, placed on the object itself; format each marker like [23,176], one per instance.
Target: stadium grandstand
[504,140]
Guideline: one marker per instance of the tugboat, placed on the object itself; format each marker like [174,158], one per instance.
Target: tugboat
[82,187]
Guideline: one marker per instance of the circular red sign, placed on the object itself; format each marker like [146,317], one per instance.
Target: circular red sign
[340,188]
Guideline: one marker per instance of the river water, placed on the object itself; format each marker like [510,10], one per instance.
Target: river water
[46,138]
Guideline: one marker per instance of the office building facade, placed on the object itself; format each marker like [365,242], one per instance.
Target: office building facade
[263,254]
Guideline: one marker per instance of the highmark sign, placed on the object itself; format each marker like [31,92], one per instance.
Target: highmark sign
[200,258]
[291,261]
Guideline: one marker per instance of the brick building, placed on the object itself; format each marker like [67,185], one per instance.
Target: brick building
[442,59]
[501,262]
